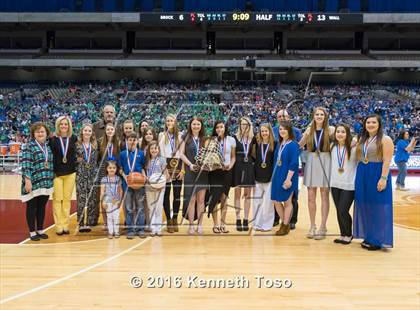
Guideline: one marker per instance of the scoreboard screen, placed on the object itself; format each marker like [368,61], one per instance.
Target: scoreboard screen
[254,18]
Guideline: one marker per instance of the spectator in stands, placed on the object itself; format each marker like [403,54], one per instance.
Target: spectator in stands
[403,148]
[37,179]
[63,147]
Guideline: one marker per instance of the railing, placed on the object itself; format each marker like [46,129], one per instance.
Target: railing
[10,155]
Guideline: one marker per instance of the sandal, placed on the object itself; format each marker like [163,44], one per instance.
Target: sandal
[216,230]
[223,229]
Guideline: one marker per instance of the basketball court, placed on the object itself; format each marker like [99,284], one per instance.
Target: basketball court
[91,272]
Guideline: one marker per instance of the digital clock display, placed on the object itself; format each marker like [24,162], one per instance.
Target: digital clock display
[241,17]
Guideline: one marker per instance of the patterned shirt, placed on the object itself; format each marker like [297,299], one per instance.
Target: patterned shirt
[33,168]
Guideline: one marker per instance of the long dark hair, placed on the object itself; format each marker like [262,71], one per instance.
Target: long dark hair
[214,133]
[401,135]
[364,135]
[347,142]
[143,139]
[201,134]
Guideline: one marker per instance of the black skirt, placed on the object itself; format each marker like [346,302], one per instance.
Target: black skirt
[244,174]
[220,183]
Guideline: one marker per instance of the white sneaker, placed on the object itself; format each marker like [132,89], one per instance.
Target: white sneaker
[404,189]
[311,233]
[320,234]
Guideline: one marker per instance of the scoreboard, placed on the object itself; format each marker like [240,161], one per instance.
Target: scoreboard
[251,18]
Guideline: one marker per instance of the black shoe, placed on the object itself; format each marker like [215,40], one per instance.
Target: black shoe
[59,233]
[238,225]
[292,226]
[276,222]
[245,225]
[346,242]
[35,238]
[338,241]
[66,232]
[42,236]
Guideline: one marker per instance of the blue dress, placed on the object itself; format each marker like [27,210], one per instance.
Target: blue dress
[290,161]
[373,218]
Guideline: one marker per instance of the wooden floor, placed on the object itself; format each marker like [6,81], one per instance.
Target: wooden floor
[92,272]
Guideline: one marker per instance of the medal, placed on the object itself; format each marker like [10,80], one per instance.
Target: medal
[131,165]
[341,156]
[114,189]
[197,145]
[245,146]
[173,163]
[264,155]
[152,169]
[110,151]
[87,153]
[64,148]
[44,151]
[365,149]
[281,149]
[171,139]
[317,140]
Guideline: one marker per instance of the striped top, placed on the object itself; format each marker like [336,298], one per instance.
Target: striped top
[33,168]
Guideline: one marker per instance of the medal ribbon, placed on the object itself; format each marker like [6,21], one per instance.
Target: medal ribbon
[341,156]
[131,165]
[264,152]
[64,149]
[366,146]
[318,139]
[245,146]
[44,150]
[87,152]
[281,149]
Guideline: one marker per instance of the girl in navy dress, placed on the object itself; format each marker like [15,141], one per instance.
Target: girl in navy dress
[244,174]
[373,188]
[285,176]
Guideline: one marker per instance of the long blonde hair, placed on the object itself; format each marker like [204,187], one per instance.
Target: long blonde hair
[175,131]
[270,137]
[326,135]
[239,133]
[92,138]
[57,125]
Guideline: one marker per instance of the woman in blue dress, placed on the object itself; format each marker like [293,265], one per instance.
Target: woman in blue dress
[373,187]
[285,176]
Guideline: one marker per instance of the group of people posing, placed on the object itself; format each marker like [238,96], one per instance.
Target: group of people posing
[261,166]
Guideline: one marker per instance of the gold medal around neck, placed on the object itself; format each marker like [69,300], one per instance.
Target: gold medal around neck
[173,163]
[279,163]
[340,170]
[263,165]
[115,201]
[46,165]
[64,160]
[365,161]
[88,166]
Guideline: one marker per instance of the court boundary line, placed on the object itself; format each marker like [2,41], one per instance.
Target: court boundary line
[407,227]
[74,274]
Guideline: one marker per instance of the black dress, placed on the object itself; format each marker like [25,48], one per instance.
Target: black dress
[263,175]
[243,171]
[193,181]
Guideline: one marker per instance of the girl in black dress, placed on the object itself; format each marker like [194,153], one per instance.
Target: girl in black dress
[220,180]
[244,174]
[196,180]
